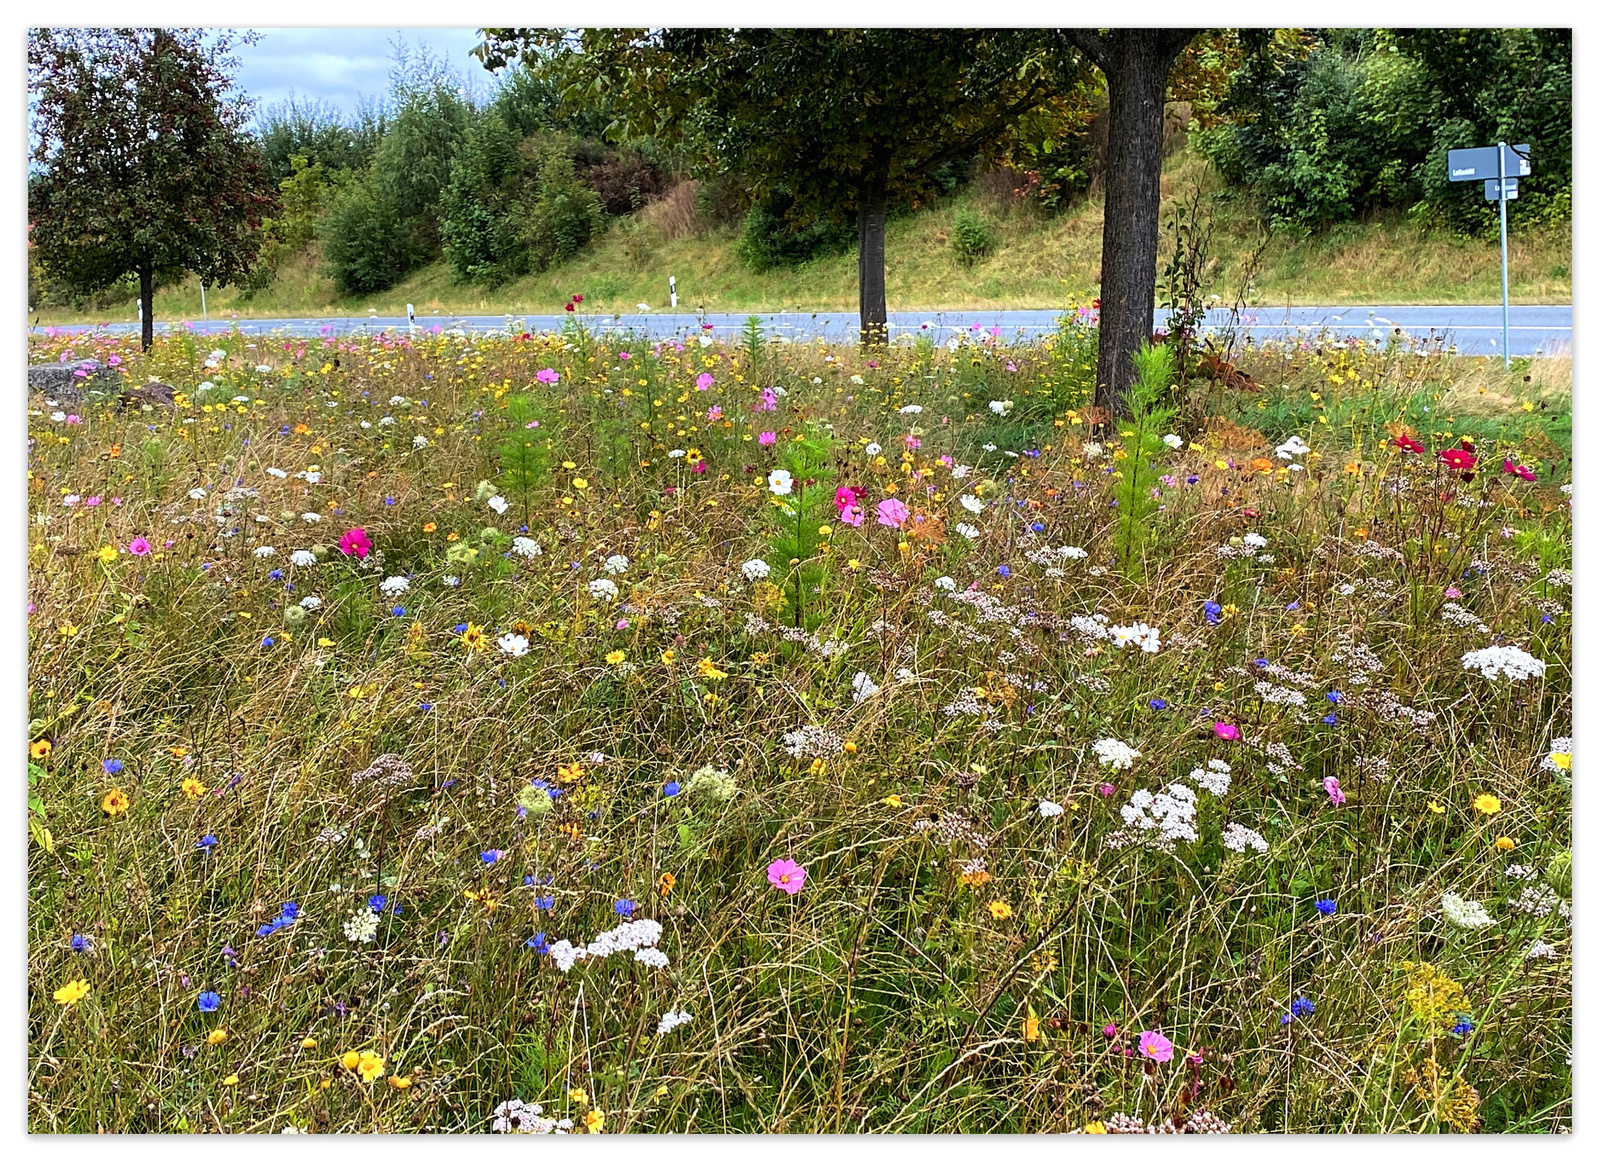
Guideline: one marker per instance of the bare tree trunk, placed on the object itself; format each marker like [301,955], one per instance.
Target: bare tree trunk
[1135,62]
[870,215]
[147,293]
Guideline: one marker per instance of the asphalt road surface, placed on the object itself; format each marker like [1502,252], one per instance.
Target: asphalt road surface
[1473,330]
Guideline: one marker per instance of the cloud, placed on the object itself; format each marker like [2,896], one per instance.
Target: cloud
[343,65]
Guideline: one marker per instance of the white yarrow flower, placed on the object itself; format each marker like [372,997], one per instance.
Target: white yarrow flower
[1115,754]
[602,589]
[1492,661]
[756,569]
[1048,809]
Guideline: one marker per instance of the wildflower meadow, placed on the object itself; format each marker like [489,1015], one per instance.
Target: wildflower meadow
[598,733]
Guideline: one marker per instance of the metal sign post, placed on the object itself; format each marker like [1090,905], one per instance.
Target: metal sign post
[1498,167]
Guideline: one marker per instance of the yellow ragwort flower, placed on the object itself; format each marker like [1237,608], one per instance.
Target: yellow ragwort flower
[1486,804]
[616,658]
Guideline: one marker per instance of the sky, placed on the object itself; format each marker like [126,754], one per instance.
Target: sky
[340,65]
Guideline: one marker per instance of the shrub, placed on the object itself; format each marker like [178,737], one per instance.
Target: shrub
[777,235]
[565,214]
[971,238]
[366,246]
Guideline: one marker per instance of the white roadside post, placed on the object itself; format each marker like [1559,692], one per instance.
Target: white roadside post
[672,287]
[411,319]
[203,316]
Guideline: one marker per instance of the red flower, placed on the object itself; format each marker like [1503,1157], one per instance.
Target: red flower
[577,298]
[1458,459]
[569,306]
[1519,470]
[1407,444]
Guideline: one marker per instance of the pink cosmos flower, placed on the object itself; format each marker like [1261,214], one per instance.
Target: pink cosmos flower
[715,413]
[767,439]
[852,515]
[1226,731]
[1107,790]
[699,468]
[845,497]
[355,543]
[1521,470]
[1335,795]
[704,381]
[1154,1046]
[624,355]
[139,547]
[893,513]
[786,874]
[549,375]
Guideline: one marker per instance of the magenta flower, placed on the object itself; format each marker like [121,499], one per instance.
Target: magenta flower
[355,543]
[1226,731]
[844,498]
[852,515]
[892,513]
[1154,1046]
[139,547]
[786,874]
[549,375]
[715,413]
[767,439]
[1452,593]
[705,380]
[1335,795]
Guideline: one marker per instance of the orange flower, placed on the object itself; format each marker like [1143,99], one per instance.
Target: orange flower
[668,882]
[429,527]
[1261,464]
[115,802]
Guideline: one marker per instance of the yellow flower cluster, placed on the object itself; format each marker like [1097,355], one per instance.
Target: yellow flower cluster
[1433,997]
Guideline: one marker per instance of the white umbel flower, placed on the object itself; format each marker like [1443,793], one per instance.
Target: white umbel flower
[671,1019]
[394,586]
[1117,755]
[616,564]
[1048,809]
[1463,913]
[602,589]
[303,558]
[756,569]
[1492,661]
[526,547]
[362,926]
[864,686]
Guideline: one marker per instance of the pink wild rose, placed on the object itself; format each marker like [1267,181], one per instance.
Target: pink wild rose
[786,874]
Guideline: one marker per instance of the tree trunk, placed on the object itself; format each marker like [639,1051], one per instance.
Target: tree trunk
[1136,62]
[147,294]
[870,215]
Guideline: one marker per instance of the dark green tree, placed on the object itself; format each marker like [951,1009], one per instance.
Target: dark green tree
[846,121]
[308,128]
[145,166]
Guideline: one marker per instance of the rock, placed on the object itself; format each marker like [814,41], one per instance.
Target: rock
[62,381]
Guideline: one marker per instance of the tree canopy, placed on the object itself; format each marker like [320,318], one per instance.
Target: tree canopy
[144,167]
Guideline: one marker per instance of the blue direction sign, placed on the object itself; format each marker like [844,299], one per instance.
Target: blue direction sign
[1476,165]
[1491,189]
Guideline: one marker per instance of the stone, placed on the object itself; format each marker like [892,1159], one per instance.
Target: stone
[62,381]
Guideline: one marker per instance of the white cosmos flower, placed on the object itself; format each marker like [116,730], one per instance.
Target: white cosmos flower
[311,518]
[971,503]
[1292,447]
[948,584]
[967,531]
[499,504]
[197,494]
[278,472]
[873,449]
[313,478]
[780,482]
[513,644]
[1172,441]
[911,409]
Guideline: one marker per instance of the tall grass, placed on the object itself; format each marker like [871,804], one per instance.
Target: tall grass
[984,932]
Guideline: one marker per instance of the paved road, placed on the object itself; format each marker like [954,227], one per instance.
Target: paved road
[1473,329]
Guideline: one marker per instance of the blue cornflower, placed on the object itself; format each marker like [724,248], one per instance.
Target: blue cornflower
[388,500]
[1327,907]
[290,910]
[1004,570]
[1335,697]
[1213,613]
[1037,526]
[424,706]
[490,856]
[462,628]
[377,903]
[625,908]
[1158,704]
[1463,1027]
[538,943]
[111,766]
[209,1002]
[207,842]
[1330,720]
[671,789]
[398,611]
[275,575]
[267,643]
[1263,663]
[80,942]
[544,903]
[1302,1007]
[1292,606]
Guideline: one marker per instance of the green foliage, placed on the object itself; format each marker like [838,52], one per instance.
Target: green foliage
[794,523]
[313,130]
[1366,119]
[480,228]
[524,452]
[970,237]
[777,234]
[367,245]
[412,164]
[1149,413]
[564,215]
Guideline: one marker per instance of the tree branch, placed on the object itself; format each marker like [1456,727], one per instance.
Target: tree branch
[1090,43]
